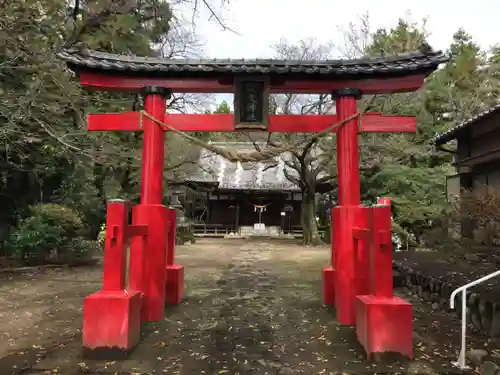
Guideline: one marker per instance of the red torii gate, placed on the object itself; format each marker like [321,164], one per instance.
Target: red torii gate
[359,279]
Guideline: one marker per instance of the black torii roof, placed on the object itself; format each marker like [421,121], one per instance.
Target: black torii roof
[82,59]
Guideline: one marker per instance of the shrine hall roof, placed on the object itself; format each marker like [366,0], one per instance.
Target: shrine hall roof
[452,133]
[215,170]
[80,59]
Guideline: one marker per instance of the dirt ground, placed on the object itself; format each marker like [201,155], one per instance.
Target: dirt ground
[250,308]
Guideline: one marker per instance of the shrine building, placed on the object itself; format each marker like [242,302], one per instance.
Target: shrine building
[247,197]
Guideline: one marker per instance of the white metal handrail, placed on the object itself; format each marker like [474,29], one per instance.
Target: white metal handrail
[460,363]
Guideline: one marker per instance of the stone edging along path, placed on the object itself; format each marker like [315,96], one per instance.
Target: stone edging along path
[482,313]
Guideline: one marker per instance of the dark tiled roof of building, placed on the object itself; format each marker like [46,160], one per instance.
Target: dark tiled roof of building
[215,170]
[403,64]
[452,133]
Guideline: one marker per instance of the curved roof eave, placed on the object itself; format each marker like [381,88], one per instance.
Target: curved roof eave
[81,59]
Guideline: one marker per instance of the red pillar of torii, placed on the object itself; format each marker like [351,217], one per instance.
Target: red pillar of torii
[358,281]
[113,315]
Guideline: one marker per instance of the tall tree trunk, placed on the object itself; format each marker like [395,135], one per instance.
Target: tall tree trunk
[308,216]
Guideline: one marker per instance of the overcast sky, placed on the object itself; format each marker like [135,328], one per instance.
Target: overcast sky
[260,23]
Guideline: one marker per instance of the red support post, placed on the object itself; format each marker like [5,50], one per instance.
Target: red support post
[345,283]
[347,147]
[381,268]
[153,152]
[174,286]
[151,252]
[111,317]
[155,217]
[362,242]
[383,322]
[330,271]
[172,219]
[138,254]
[360,252]
[160,280]
[115,256]
[334,220]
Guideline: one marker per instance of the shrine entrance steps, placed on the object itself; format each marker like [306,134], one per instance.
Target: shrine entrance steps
[251,307]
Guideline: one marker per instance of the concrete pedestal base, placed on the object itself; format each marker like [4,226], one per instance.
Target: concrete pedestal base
[111,324]
[384,325]
[174,288]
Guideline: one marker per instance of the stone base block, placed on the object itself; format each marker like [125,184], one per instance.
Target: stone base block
[111,324]
[174,284]
[384,325]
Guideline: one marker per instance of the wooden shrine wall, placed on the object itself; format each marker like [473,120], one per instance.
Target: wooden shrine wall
[238,210]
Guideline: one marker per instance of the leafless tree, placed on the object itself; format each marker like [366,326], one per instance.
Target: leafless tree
[309,165]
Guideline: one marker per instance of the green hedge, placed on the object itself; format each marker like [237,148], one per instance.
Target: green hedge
[51,233]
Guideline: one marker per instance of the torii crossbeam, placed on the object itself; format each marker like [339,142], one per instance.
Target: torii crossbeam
[370,123]
[360,245]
